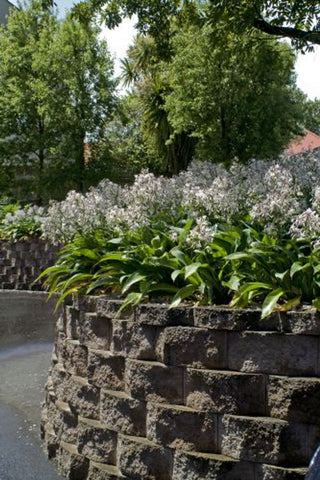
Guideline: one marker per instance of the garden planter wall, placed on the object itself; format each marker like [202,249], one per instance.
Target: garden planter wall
[22,262]
[183,394]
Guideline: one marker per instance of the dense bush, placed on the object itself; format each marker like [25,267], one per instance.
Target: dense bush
[244,236]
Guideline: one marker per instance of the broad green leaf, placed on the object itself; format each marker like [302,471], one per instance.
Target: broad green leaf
[175,274]
[316,303]
[191,269]
[270,302]
[297,267]
[134,278]
[181,294]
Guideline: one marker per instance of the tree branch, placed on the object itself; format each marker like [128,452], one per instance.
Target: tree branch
[294,33]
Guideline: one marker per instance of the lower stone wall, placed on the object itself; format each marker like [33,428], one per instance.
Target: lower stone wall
[22,262]
[184,394]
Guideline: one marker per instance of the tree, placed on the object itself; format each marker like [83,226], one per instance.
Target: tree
[312,115]
[56,92]
[235,94]
[295,19]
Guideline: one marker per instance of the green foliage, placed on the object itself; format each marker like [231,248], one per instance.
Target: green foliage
[312,115]
[56,92]
[241,266]
[235,95]
[19,223]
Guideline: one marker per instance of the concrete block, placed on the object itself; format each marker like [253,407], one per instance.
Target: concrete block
[72,322]
[270,472]
[263,440]
[96,442]
[122,413]
[160,315]
[205,466]
[102,471]
[141,459]
[225,391]
[196,347]
[182,428]
[82,397]
[226,318]
[75,358]
[95,331]
[106,370]
[303,322]
[295,399]
[71,465]
[133,340]
[154,381]
[110,308]
[273,353]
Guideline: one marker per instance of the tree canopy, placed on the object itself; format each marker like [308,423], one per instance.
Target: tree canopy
[295,19]
[56,91]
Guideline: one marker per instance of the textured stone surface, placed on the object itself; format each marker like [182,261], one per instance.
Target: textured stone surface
[263,439]
[180,346]
[232,397]
[133,340]
[106,370]
[82,397]
[75,358]
[142,459]
[295,399]
[200,466]
[182,428]
[154,381]
[96,442]
[23,261]
[225,392]
[71,465]
[95,331]
[273,353]
[101,471]
[122,413]
[161,315]
[270,472]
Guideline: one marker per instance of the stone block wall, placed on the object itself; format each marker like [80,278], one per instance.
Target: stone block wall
[197,393]
[22,262]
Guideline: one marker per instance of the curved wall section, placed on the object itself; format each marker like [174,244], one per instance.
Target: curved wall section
[184,394]
[22,262]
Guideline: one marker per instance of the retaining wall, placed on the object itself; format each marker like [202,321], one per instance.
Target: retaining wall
[184,394]
[22,262]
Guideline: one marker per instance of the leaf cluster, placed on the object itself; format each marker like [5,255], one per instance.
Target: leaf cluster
[241,267]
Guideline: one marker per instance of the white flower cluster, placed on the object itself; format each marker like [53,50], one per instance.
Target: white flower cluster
[30,213]
[280,195]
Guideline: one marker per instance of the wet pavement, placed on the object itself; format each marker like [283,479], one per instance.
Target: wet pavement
[23,372]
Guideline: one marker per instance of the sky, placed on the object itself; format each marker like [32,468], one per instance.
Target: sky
[307,66]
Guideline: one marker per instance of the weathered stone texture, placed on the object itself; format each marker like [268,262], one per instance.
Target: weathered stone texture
[106,370]
[180,346]
[182,428]
[225,391]
[95,331]
[96,442]
[296,399]
[133,340]
[273,353]
[200,466]
[142,459]
[122,413]
[154,381]
[196,393]
[23,261]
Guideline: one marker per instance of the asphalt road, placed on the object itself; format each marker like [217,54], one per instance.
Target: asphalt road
[23,372]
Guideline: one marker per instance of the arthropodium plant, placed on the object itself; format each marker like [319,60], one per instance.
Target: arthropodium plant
[246,236]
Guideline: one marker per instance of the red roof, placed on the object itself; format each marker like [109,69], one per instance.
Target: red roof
[300,144]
